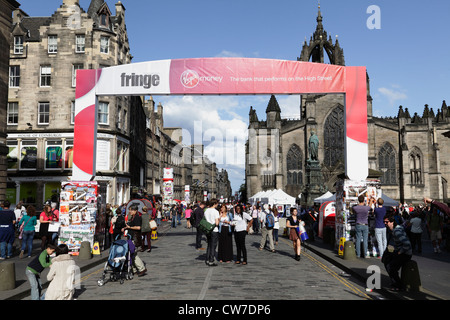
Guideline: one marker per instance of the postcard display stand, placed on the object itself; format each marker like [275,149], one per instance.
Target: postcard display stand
[78,213]
[347,194]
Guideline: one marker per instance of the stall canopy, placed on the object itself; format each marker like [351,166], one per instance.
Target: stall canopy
[388,202]
[273,197]
[325,197]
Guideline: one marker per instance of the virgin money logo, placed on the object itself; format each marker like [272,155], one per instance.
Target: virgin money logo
[190,79]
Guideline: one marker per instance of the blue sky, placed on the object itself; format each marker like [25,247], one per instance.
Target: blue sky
[407,58]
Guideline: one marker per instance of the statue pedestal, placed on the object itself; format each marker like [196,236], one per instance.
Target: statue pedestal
[314,181]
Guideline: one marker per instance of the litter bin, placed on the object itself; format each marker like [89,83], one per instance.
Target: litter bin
[85,251]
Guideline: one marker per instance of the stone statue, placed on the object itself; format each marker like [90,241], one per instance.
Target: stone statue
[313,147]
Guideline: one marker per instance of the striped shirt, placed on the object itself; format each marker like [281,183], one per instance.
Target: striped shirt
[401,241]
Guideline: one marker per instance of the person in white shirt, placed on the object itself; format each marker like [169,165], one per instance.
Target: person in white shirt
[213,217]
[242,222]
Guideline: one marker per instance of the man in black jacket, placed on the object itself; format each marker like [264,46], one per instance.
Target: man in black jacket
[198,214]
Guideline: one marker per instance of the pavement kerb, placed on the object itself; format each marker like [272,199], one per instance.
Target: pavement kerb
[83,264]
[352,272]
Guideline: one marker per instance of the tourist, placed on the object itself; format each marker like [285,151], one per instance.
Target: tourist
[442,207]
[173,216]
[255,215]
[28,224]
[188,213]
[401,255]
[198,215]
[435,226]
[63,270]
[19,211]
[362,226]
[46,218]
[35,268]
[158,215]
[292,224]
[242,222]
[380,228]
[416,232]
[266,231]
[212,216]
[146,231]
[276,227]
[7,231]
[133,227]
[225,249]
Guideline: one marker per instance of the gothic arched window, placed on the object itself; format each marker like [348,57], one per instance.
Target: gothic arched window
[294,166]
[415,167]
[387,164]
[334,138]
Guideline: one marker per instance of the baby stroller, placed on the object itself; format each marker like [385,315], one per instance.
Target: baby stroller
[119,264]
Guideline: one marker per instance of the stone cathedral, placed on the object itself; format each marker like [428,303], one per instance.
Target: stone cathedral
[409,153]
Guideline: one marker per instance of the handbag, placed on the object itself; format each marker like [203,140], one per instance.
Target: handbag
[206,227]
[153,225]
[22,226]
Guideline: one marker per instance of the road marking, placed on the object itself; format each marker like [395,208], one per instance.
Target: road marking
[202,294]
[333,273]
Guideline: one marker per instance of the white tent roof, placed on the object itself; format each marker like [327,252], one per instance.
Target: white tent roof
[325,197]
[273,197]
[281,197]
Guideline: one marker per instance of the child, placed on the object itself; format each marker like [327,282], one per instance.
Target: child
[34,269]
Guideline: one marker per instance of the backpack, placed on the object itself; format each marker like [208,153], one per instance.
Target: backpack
[270,220]
[192,219]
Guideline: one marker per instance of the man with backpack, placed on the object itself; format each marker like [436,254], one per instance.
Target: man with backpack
[267,222]
[196,217]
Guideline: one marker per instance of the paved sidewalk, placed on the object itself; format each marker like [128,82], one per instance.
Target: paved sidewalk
[22,285]
[434,270]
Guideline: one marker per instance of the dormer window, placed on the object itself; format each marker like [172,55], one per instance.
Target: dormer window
[104,20]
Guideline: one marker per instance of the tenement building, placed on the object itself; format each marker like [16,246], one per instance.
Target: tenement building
[409,152]
[6,9]
[45,54]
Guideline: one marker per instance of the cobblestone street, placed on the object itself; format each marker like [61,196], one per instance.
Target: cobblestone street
[176,271]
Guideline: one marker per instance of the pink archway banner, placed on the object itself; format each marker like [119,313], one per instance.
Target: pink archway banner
[220,76]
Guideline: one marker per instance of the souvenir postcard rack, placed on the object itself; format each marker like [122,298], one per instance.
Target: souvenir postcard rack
[78,213]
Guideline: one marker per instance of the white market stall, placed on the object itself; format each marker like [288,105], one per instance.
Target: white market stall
[325,198]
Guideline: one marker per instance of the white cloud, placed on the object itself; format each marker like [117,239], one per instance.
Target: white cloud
[393,94]
[215,122]
[290,106]
[221,124]
[229,54]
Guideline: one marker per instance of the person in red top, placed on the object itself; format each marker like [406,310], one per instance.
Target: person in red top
[47,216]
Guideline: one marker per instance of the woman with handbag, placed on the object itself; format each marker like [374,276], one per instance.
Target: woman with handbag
[27,230]
[292,223]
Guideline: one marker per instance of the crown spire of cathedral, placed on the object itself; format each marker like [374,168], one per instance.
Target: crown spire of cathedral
[320,46]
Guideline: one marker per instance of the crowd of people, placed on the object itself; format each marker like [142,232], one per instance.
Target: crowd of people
[373,224]
[237,220]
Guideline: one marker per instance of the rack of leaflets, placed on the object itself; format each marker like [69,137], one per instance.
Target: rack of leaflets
[78,213]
